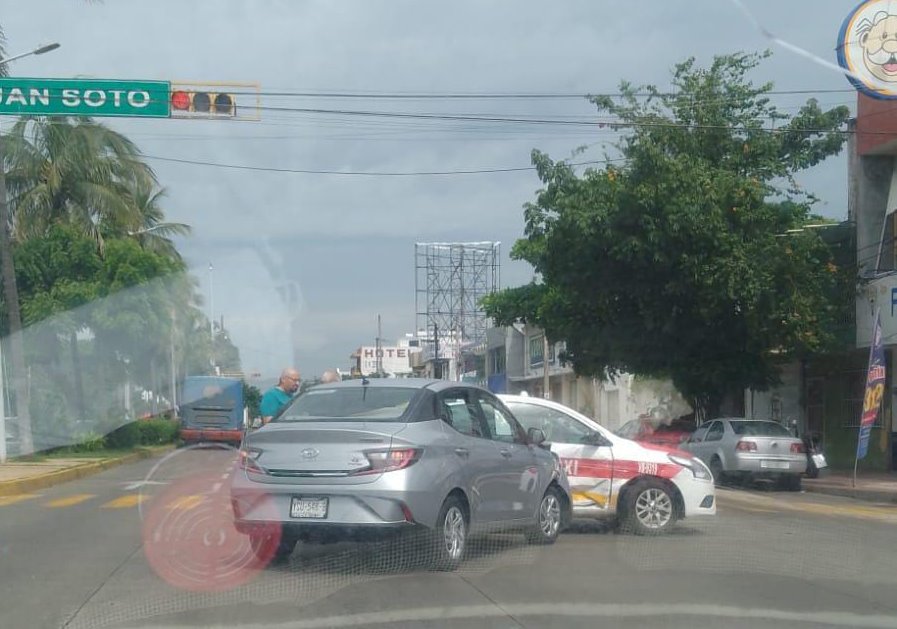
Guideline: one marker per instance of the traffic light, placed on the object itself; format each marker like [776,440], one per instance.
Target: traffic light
[203,103]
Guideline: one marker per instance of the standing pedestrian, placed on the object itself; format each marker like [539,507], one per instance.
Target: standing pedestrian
[277,397]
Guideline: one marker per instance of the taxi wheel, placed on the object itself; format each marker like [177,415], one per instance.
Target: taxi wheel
[649,509]
[548,519]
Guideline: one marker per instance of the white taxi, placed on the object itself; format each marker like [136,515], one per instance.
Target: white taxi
[647,488]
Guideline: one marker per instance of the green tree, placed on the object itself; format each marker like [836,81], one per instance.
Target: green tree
[671,263]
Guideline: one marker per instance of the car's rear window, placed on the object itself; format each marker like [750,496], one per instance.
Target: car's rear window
[350,403]
[760,429]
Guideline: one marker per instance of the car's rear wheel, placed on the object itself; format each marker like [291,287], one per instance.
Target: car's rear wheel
[548,518]
[261,545]
[649,509]
[449,537]
[716,468]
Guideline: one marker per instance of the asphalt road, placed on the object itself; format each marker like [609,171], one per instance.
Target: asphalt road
[114,550]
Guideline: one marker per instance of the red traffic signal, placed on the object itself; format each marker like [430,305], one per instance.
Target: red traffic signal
[203,103]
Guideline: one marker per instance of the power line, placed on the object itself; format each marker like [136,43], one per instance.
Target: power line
[356,173]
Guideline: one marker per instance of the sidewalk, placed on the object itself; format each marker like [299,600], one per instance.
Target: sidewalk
[17,477]
[871,486]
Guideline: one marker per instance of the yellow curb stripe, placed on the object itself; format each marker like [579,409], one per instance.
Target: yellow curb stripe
[26,485]
[125,502]
[185,503]
[68,501]
[11,500]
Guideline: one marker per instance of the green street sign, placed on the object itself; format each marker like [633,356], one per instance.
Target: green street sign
[84,97]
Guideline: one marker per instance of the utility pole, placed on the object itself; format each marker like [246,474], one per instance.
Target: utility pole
[174,368]
[211,318]
[546,387]
[379,351]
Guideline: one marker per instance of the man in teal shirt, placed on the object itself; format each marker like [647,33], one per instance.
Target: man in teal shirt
[277,397]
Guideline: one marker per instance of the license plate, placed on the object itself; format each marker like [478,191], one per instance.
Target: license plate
[314,508]
[775,465]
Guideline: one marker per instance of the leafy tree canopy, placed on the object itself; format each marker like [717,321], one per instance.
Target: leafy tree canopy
[673,260]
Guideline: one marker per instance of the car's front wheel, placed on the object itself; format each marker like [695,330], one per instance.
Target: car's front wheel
[548,518]
[449,537]
[648,509]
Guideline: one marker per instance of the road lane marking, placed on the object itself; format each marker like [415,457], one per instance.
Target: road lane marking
[719,614]
[216,487]
[735,500]
[68,501]
[750,509]
[124,502]
[11,500]
[185,503]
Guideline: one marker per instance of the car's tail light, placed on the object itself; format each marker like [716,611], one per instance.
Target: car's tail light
[389,460]
[247,460]
[746,446]
[798,448]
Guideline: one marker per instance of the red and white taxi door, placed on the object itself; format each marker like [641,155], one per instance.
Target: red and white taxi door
[590,471]
[589,467]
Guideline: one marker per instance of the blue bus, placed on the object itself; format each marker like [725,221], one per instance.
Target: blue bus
[212,409]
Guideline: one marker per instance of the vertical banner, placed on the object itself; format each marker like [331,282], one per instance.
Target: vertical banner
[875,387]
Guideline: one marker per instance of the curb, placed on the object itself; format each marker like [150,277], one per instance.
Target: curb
[866,495]
[26,485]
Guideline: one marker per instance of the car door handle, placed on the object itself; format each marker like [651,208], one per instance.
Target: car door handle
[506,453]
[462,452]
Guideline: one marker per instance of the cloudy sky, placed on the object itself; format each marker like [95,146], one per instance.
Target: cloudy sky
[344,245]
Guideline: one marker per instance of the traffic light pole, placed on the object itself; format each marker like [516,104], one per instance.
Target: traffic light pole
[16,347]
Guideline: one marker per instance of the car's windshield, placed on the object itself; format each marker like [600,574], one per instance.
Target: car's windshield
[759,429]
[350,403]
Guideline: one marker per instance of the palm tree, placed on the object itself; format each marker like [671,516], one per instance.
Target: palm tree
[153,231]
[74,171]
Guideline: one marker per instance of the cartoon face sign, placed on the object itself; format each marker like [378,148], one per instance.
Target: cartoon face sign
[867,48]
[879,43]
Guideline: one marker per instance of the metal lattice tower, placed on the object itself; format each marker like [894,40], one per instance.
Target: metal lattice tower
[450,280]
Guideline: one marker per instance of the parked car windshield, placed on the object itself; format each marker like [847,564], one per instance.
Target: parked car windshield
[350,403]
[760,429]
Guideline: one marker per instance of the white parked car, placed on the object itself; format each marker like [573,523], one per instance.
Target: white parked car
[647,488]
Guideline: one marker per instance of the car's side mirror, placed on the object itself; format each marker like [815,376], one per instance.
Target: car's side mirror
[536,436]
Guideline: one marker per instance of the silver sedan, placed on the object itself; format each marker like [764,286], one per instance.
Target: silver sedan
[367,456]
[736,447]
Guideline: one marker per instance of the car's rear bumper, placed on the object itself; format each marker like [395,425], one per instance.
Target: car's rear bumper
[204,434]
[325,532]
[759,465]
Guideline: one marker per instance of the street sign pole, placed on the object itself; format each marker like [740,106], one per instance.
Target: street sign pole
[3,452]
